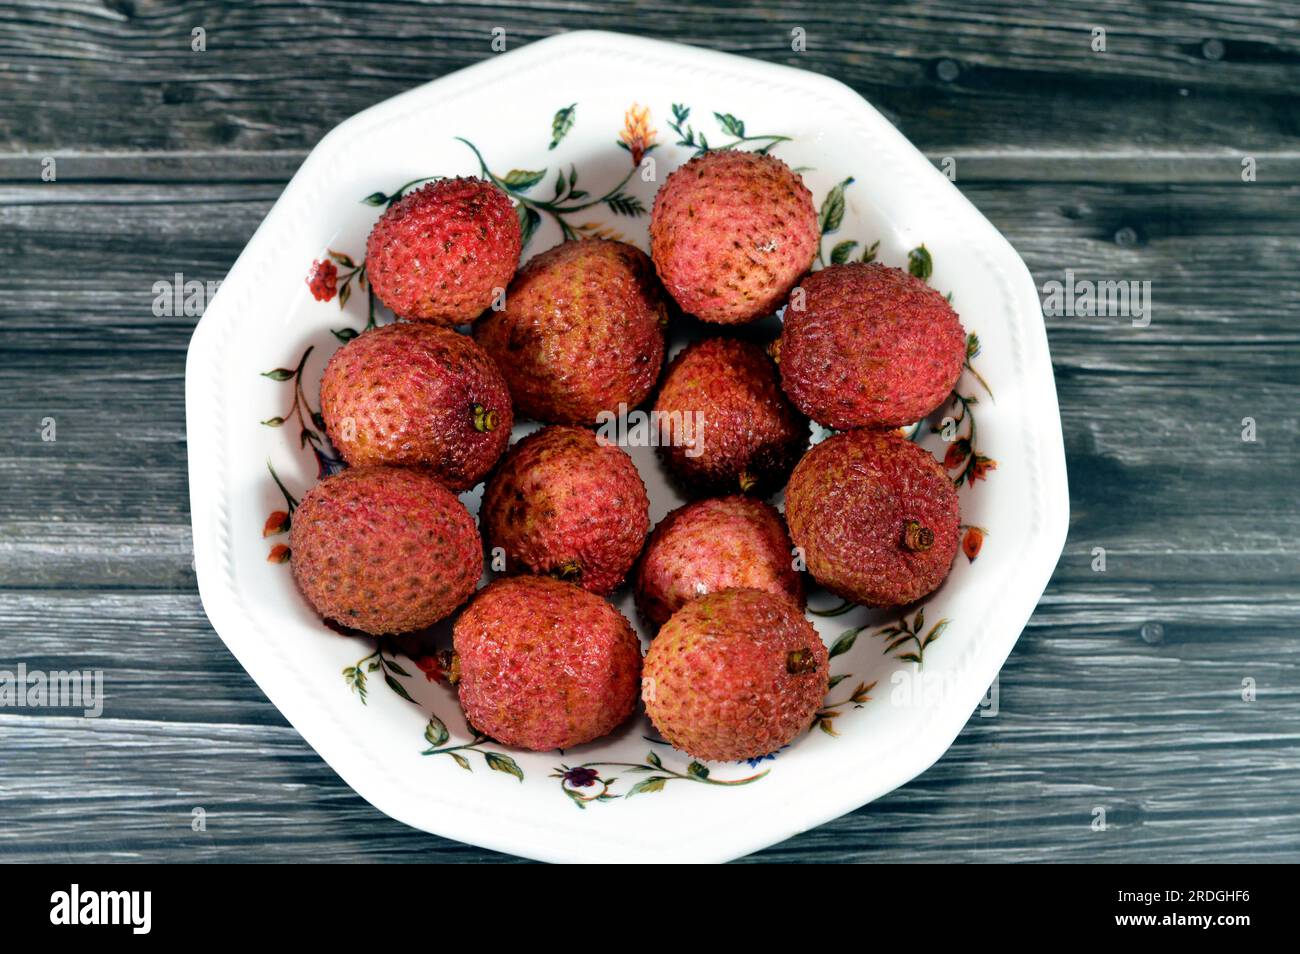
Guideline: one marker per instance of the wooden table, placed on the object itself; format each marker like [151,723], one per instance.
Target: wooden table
[1126,689]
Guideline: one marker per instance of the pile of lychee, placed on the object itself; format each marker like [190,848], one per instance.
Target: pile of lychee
[421,412]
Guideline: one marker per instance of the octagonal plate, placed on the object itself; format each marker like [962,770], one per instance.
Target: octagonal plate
[561,124]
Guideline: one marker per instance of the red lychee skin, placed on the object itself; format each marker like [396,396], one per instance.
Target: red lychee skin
[582,331]
[384,549]
[751,435]
[417,394]
[730,234]
[872,347]
[734,675]
[849,504]
[439,253]
[712,545]
[563,504]
[544,664]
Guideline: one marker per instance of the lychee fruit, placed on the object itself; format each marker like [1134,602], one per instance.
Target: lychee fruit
[384,549]
[737,431]
[564,504]
[876,516]
[734,675]
[543,664]
[582,331]
[417,394]
[866,345]
[730,234]
[713,545]
[442,252]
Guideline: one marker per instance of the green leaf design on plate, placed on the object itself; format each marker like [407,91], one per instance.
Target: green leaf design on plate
[529,219]
[841,252]
[503,763]
[844,643]
[840,610]
[397,687]
[561,123]
[897,635]
[901,640]
[935,632]
[832,212]
[731,124]
[623,204]
[830,711]
[355,677]
[436,733]
[585,783]
[523,179]
[920,263]
[655,783]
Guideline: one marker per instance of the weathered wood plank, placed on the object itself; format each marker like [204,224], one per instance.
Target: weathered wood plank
[124,76]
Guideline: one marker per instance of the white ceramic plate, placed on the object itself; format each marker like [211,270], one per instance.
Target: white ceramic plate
[586,105]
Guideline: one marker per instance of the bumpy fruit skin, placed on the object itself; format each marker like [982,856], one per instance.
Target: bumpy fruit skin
[562,504]
[730,234]
[712,545]
[417,394]
[384,549]
[582,331]
[438,253]
[734,675]
[876,516]
[750,435]
[872,347]
[544,664]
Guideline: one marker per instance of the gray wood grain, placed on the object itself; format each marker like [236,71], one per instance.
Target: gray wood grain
[168,160]
[281,76]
